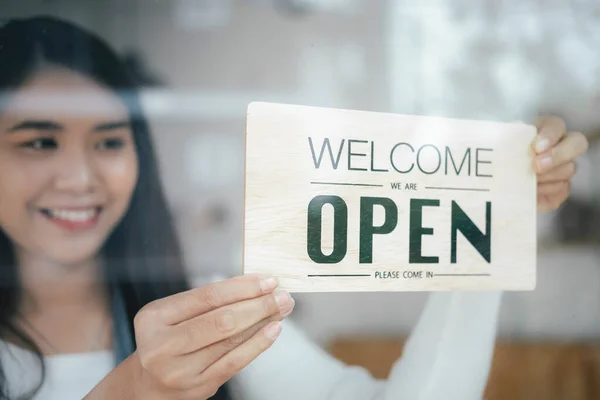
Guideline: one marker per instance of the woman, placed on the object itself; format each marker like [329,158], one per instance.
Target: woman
[93,286]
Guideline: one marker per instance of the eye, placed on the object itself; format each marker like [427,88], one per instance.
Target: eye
[111,144]
[41,144]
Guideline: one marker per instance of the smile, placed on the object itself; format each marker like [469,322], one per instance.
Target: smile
[72,219]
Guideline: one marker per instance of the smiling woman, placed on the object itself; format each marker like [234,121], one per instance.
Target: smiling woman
[92,285]
[85,226]
[80,168]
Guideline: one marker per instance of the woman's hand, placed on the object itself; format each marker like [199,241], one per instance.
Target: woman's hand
[554,163]
[191,343]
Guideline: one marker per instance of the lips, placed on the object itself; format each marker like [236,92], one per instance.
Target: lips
[71,218]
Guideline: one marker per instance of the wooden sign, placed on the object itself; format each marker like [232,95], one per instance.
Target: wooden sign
[340,200]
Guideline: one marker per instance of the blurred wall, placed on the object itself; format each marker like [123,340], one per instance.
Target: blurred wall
[504,60]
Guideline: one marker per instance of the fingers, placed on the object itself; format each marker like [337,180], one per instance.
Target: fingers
[234,361]
[552,194]
[228,321]
[569,148]
[550,130]
[189,304]
[552,200]
[552,188]
[554,164]
[561,173]
[184,371]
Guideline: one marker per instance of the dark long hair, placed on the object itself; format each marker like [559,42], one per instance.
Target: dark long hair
[141,257]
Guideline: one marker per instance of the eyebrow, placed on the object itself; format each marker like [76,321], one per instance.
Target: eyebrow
[51,126]
[109,126]
[41,125]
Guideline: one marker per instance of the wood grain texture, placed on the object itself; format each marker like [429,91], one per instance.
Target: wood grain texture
[408,192]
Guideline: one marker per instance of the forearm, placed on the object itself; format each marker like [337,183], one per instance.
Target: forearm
[447,356]
[449,353]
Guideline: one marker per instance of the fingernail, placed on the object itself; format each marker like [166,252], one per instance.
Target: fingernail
[544,162]
[268,284]
[289,308]
[284,300]
[273,330]
[542,145]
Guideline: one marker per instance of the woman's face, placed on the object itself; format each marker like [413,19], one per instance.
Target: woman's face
[68,165]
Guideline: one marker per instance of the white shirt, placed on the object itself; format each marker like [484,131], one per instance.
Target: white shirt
[447,356]
[68,376]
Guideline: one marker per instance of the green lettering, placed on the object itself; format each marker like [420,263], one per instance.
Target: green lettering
[314,231]
[367,230]
[481,242]
[417,231]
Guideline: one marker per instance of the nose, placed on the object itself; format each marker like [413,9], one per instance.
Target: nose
[77,172]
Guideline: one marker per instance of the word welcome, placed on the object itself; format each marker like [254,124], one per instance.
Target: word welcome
[402,158]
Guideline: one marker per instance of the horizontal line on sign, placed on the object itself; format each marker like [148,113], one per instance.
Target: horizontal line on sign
[336,275]
[462,274]
[455,188]
[345,184]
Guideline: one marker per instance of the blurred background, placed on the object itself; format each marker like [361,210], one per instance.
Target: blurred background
[203,61]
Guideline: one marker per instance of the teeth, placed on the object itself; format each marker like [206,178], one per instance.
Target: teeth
[74,216]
